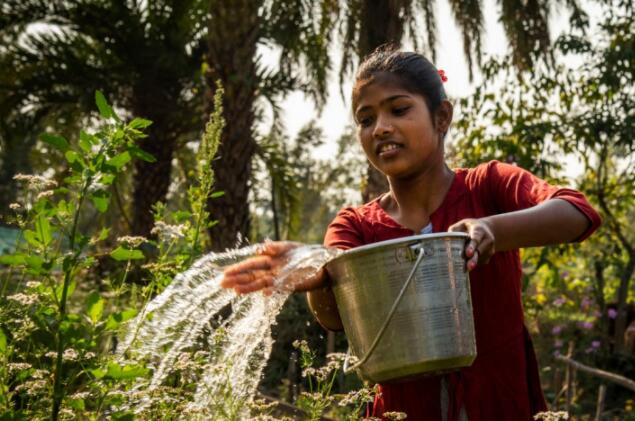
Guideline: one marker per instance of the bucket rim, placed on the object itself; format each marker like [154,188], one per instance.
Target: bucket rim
[396,241]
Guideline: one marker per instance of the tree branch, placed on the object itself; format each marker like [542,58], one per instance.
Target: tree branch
[612,377]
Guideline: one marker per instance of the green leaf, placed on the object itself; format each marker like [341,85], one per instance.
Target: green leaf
[73,157]
[118,135]
[57,142]
[77,404]
[103,234]
[141,154]
[132,371]
[98,372]
[116,319]
[3,342]
[100,199]
[123,416]
[32,238]
[104,109]
[120,160]
[86,141]
[180,216]
[139,123]
[34,262]
[216,194]
[43,229]
[95,307]
[107,179]
[121,253]
[13,259]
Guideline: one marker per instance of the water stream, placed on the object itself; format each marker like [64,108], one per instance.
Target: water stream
[195,317]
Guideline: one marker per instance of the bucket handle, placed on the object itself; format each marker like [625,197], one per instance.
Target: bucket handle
[391,313]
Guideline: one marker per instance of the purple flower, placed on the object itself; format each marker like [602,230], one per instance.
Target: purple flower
[556,330]
[586,302]
[612,313]
[559,301]
[585,325]
[558,343]
[565,274]
[595,344]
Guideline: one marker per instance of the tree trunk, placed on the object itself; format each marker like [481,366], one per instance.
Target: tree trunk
[152,179]
[233,35]
[14,159]
[380,23]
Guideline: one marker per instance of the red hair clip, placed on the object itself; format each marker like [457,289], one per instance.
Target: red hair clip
[444,78]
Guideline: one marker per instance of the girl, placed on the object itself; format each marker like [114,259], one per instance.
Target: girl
[402,116]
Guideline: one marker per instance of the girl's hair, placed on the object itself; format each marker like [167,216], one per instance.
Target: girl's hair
[413,72]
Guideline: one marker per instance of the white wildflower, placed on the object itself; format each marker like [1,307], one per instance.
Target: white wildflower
[80,395]
[302,345]
[36,182]
[131,240]
[14,367]
[552,416]
[24,299]
[89,355]
[15,206]
[183,362]
[169,232]
[96,186]
[261,405]
[32,387]
[67,414]
[45,194]
[395,416]
[70,355]
[355,397]
[40,374]
[33,284]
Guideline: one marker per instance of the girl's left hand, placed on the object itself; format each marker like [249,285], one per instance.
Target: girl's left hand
[480,248]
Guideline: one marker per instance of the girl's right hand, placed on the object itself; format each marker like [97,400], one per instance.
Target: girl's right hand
[260,272]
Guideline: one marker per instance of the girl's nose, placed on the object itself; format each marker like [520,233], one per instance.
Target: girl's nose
[383,127]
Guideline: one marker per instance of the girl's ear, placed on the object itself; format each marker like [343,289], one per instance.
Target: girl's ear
[443,116]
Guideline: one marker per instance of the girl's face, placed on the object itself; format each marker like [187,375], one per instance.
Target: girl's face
[397,132]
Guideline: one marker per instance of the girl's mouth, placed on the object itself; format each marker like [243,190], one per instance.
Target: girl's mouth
[388,149]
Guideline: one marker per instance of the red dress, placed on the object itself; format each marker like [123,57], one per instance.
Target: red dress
[503,383]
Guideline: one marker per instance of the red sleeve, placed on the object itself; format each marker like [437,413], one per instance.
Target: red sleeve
[344,232]
[513,188]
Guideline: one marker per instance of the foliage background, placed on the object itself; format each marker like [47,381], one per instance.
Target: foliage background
[73,269]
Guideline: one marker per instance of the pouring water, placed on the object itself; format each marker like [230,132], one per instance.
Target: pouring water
[185,322]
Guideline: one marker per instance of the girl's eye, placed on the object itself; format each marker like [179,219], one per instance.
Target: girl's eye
[400,110]
[365,121]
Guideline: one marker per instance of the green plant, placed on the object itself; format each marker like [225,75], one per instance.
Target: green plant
[319,397]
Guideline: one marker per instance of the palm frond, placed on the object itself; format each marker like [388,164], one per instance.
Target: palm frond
[526,25]
[469,16]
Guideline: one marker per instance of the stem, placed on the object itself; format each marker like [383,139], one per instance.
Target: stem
[58,394]
[199,221]
[121,207]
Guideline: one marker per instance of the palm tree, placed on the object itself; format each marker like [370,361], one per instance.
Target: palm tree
[371,23]
[146,56]
[301,31]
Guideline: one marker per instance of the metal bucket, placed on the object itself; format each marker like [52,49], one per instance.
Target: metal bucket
[406,306]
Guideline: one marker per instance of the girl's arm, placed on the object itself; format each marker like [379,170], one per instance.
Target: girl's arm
[323,306]
[554,221]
